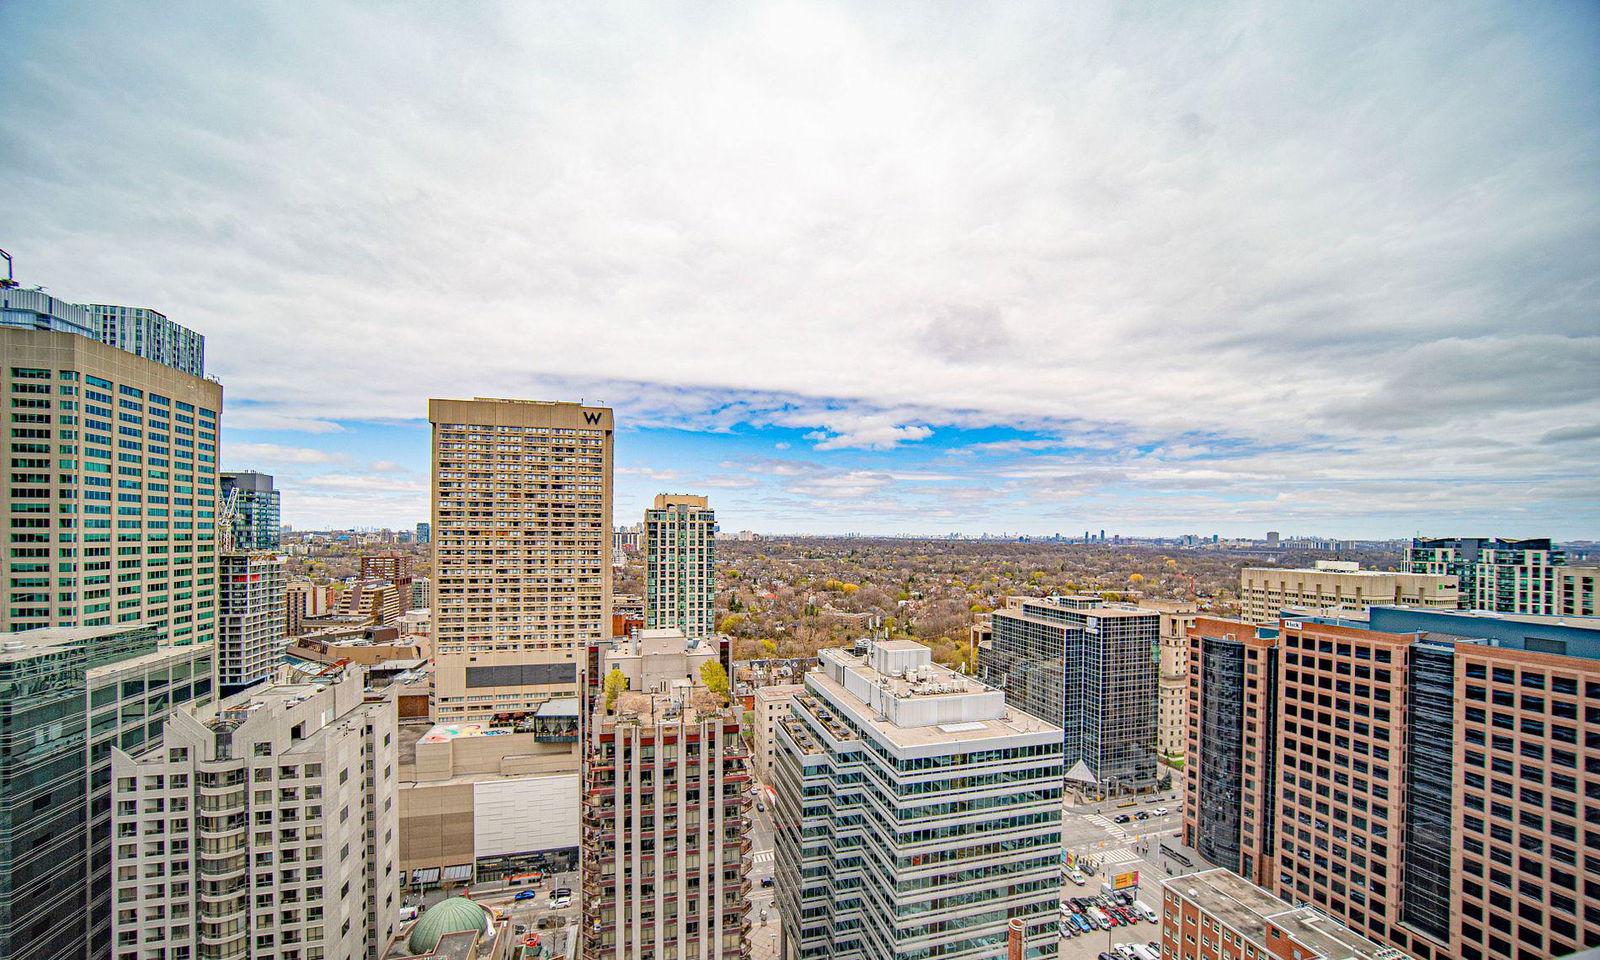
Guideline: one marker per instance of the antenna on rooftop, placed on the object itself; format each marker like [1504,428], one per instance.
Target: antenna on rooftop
[10,280]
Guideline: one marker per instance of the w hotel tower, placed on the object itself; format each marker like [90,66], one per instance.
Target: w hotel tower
[522,551]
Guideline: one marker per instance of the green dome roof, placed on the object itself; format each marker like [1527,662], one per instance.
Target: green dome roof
[455,915]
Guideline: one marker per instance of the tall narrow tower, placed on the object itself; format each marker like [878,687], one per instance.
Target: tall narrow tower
[680,555]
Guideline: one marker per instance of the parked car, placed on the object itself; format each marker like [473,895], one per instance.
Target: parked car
[1121,818]
[1146,911]
[767,881]
[1125,951]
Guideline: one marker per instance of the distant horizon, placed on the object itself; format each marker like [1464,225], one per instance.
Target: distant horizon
[1285,538]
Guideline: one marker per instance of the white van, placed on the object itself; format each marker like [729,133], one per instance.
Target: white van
[408,913]
[1143,910]
[1143,952]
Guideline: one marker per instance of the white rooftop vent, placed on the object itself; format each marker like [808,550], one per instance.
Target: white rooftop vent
[960,727]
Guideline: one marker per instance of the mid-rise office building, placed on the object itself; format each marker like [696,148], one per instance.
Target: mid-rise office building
[1218,915]
[304,599]
[1172,717]
[522,550]
[1507,576]
[771,706]
[1420,775]
[665,772]
[265,827]
[251,618]
[68,696]
[112,489]
[255,509]
[1577,587]
[424,533]
[918,814]
[379,601]
[421,593]
[1336,587]
[1090,667]
[394,567]
[680,557]
[149,334]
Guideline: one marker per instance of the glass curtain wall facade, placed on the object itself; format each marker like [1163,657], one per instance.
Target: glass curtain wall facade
[1221,758]
[1091,667]
[67,697]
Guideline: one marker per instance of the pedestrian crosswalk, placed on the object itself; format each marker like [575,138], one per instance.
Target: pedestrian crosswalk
[1119,855]
[763,856]
[1111,828]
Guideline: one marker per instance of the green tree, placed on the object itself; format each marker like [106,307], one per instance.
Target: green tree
[714,677]
[616,683]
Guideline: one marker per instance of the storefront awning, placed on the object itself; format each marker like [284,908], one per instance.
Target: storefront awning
[424,875]
[458,874]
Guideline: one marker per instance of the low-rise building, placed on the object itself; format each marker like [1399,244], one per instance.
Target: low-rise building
[918,813]
[480,802]
[1218,915]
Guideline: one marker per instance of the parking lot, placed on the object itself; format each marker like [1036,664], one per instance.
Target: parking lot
[1134,845]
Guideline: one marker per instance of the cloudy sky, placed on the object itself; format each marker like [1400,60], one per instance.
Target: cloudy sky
[1153,268]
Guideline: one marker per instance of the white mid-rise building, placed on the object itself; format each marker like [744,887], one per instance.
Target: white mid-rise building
[917,813]
[252,627]
[771,706]
[264,827]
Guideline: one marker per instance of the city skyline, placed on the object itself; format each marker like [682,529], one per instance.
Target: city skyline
[1306,269]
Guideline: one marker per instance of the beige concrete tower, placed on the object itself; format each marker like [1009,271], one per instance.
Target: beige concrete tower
[522,551]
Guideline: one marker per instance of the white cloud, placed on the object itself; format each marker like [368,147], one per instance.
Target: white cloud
[1368,224]
[240,456]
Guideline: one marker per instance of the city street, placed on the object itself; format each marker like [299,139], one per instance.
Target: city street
[1091,830]
[763,935]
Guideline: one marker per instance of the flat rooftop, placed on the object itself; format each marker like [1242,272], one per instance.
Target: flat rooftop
[1246,908]
[1011,723]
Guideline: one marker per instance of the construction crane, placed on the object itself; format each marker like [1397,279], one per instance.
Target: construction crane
[227,512]
[10,280]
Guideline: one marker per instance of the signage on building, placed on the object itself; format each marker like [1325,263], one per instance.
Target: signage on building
[1123,881]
